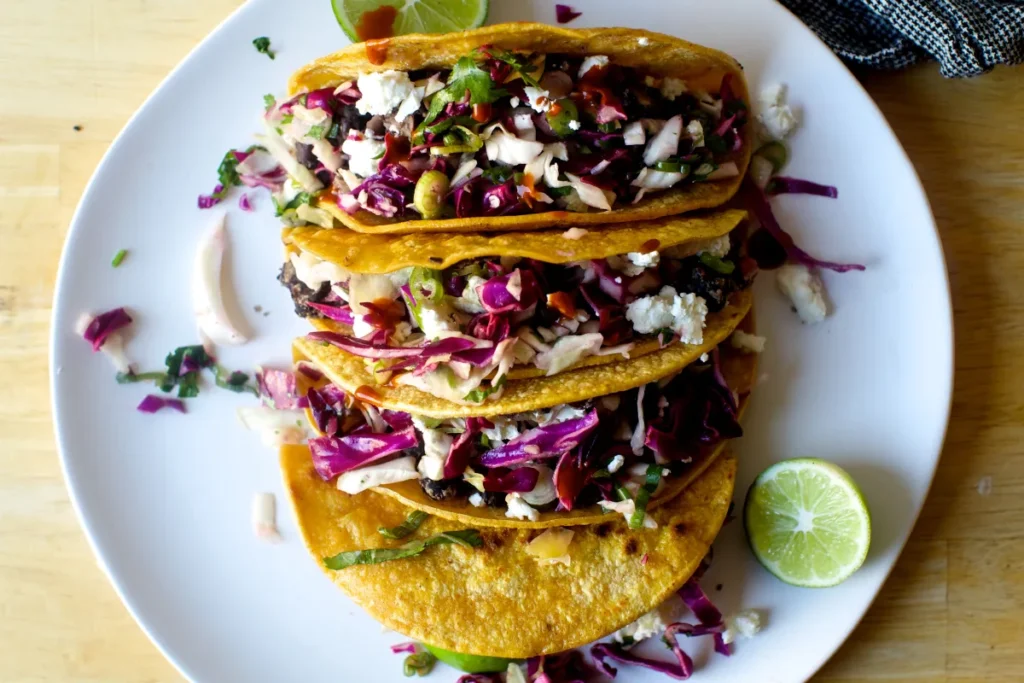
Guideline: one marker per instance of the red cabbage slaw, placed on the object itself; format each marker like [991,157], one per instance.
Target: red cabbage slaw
[253,167]
[564,14]
[710,623]
[554,314]
[336,455]
[152,403]
[104,325]
[506,455]
[763,212]
[511,133]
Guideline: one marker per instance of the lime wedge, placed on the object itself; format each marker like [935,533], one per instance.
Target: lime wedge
[473,664]
[365,19]
[807,522]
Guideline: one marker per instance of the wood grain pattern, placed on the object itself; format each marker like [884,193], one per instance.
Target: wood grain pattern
[953,609]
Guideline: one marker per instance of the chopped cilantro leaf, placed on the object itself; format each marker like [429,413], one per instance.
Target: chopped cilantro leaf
[191,359]
[236,381]
[294,203]
[479,394]
[188,385]
[520,64]
[269,102]
[262,45]
[227,172]
[467,78]
[317,133]
[498,174]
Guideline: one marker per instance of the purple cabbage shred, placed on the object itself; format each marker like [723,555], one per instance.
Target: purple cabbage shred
[152,404]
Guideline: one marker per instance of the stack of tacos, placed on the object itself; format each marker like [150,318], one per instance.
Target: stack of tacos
[520,364]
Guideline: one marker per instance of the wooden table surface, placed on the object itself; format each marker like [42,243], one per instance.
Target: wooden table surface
[953,609]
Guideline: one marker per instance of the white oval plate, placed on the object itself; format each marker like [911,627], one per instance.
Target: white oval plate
[165,498]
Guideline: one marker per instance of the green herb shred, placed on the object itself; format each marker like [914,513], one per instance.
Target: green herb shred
[262,45]
[411,524]
[521,64]
[419,664]
[643,496]
[479,394]
[119,257]
[135,377]
[723,266]
[235,381]
[469,538]
[466,76]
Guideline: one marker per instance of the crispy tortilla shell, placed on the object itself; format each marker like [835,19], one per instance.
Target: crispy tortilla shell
[380,254]
[738,370]
[660,55]
[496,600]
[352,374]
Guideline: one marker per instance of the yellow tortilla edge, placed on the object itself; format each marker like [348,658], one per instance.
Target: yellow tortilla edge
[351,374]
[379,254]
[655,53]
[399,594]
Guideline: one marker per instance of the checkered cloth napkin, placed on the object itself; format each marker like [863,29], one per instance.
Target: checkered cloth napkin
[967,37]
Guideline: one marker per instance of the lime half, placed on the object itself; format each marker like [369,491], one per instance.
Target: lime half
[473,664]
[807,522]
[365,19]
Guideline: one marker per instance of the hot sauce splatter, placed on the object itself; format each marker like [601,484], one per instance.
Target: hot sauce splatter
[377,51]
[368,395]
[378,23]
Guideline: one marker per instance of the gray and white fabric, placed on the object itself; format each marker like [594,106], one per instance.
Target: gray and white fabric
[966,37]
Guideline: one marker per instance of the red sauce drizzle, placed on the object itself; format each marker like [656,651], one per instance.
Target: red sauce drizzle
[368,395]
[562,302]
[378,23]
[377,51]
[384,314]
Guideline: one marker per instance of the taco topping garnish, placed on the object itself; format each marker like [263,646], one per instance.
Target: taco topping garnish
[459,332]
[501,133]
[469,538]
[617,450]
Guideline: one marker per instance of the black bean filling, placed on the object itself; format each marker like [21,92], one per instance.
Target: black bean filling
[301,294]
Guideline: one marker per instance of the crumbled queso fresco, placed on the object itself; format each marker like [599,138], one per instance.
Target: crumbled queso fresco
[684,314]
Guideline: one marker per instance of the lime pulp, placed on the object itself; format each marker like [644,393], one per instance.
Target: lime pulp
[807,522]
[413,16]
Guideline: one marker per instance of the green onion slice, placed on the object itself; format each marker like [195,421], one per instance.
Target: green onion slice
[419,664]
[723,266]
[643,496]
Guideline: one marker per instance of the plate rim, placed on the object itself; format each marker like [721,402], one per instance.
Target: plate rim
[55,333]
